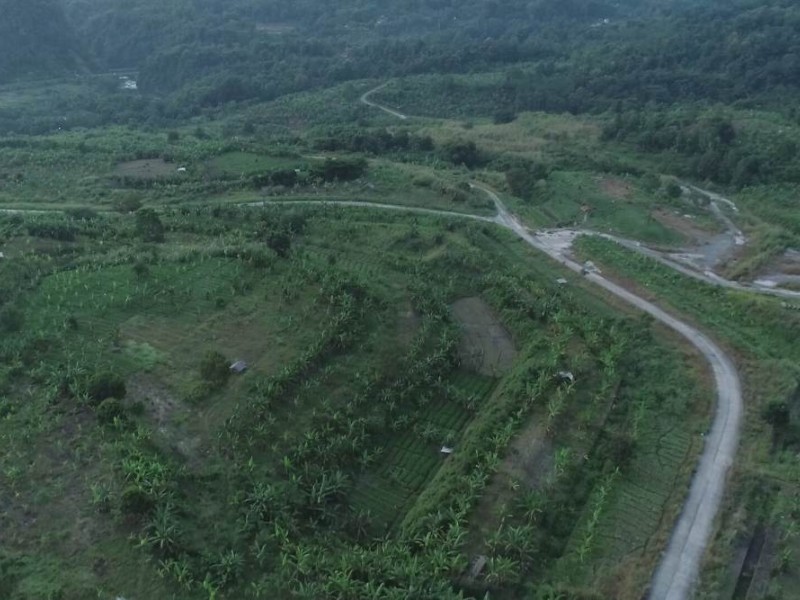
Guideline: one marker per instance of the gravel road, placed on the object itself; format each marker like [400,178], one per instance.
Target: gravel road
[679,569]
[365,100]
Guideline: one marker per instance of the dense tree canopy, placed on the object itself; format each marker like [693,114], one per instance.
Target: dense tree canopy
[577,56]
[35,39]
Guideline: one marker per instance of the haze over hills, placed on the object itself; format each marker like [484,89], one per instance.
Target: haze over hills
[584,56]
[399,299]
[36,40]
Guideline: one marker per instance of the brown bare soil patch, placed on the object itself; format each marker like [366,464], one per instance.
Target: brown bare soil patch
[408,323]
[67,518]
[691,230]
[486,346]
[616,188]
[148,168]
[257,339]
[169,415]
[787,263]
[526,466]
[159,403]
[530,457]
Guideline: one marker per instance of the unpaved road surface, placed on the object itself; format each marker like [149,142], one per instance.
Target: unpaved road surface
[365,100]
[678,571]
[360,204]
[721,247]
[561,240]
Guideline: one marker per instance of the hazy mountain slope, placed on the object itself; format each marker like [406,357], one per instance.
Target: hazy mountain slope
[35,39]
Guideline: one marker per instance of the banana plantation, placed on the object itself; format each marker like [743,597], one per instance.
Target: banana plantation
[359,455]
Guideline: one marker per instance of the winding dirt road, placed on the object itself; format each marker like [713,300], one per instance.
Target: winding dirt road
[679,569]
[365,100]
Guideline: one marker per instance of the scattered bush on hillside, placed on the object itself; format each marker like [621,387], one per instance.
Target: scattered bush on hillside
[214,369]
[106,385]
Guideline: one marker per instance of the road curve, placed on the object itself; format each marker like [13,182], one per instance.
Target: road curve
[365,100]
[679,568]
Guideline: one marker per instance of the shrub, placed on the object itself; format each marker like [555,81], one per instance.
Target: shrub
[61,232]
[149,226]
[777,414]
[135,501]
[11,320]
[503,116]
[110,409]
[462,153]
[140,269]
[280,242]
[424,181]
[345,169]
[106,385]
[83,213]
[128,205]
[294,222]
[673,190]
[199,391]
[214,369]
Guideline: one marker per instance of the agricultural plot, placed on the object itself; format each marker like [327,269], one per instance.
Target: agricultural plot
[763,331]
[408,461]
[606,203]
[486,347]
[243,164]
[627,519]
[372,340]
[148,168]
[327,428]
[415,185]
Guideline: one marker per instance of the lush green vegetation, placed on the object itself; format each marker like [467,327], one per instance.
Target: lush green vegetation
[763,332]
[236,484]
[35,40]
[417,391]
[555,56]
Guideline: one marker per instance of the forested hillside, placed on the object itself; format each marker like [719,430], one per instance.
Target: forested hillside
[35,39]
[575,56]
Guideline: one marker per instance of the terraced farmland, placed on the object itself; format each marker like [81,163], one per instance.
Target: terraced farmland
[409,460]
